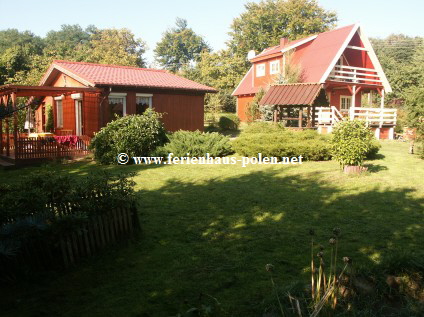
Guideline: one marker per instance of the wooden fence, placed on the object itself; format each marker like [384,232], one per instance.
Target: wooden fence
[48,251]
[48,147]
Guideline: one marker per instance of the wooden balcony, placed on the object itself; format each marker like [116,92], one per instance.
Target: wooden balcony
[374,117]
[355,75]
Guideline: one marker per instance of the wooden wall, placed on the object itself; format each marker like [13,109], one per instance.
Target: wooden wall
[242,103]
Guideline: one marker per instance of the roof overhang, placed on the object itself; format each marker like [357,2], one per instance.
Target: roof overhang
[41,91]
[303,94]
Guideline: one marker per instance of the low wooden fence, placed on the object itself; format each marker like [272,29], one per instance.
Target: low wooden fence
[54,251]
[48,147]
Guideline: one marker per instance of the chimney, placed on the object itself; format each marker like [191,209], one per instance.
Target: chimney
[283,41]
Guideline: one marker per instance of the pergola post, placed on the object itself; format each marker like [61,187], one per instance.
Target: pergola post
[308,115]
[300,117]
[313,116]
[15,123]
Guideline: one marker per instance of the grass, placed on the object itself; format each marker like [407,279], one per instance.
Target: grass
[211,229]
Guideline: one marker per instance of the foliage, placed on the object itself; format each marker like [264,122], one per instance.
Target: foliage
[222,70]
[252,109]
[118,47]
[49,120]
[196,144]
[350,142]
[50,204]
[291,74]
[229,121]
[267,112]
[179,46]
[278,142]
[264,23]
[135,135]
[263,127]
[414,106]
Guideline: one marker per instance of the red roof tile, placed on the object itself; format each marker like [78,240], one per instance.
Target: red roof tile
[114,75]
[291,94]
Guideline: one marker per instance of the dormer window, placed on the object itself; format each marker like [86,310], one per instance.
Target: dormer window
[260,70]
[274,67]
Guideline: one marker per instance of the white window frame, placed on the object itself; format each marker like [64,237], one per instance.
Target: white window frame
[275,64]
[150,96]
[346,98]
[260,70]
[122,95]
[59,114]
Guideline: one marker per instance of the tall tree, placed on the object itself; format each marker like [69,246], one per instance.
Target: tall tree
[117,46]
[179,46]
[16,50]
[264,23]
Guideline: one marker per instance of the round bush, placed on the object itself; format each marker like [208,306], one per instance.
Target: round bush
[229,121]
[135,135]
[351,142]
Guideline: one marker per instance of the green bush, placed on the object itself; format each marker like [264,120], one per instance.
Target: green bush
[263,127]
[351,142]
[229,121]
[197,144]
[135,135]
[307,143]
[49,120]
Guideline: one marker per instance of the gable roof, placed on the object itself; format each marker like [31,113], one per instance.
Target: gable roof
[321,54]
[245,87]
[95,75]
[292,94]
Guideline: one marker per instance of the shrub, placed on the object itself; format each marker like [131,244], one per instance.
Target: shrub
[229,121]
[308,144]
[135,135]
[197,144]
[49,121]
[263,127]
[351,142]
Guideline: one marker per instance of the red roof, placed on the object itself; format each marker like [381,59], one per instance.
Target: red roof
[114,75]
[246,85]
[291,94]
[315,58]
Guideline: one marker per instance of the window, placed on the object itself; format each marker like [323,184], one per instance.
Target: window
[274,67]
[260,70]
[345,103]
[117,105]
[59,114]
[143,101]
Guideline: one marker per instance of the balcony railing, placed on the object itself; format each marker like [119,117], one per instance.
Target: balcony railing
[358,75]
[373,117]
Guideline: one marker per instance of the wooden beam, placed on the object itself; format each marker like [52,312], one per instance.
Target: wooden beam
[15,124]
[357,48]
[308,116]
[300,117]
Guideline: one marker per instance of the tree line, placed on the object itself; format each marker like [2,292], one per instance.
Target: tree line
[24,57]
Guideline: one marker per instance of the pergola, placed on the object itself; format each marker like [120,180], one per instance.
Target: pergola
[298,96]
[8,96]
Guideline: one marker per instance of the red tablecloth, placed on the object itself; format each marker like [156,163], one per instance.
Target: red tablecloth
[66,139]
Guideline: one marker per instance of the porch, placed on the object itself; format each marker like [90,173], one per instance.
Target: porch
[18,148]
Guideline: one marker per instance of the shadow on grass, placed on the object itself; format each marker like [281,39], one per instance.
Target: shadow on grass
[216,237]
[375,168]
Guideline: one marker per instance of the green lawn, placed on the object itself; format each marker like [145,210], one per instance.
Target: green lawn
[212,228]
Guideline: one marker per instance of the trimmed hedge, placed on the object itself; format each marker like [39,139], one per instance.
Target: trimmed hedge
[196,144]
[309,144]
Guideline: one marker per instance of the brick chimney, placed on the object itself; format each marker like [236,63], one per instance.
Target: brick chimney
[283,41]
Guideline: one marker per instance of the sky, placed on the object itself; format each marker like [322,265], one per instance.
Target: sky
[209,18]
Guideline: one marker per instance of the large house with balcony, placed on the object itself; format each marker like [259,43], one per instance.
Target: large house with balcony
[338,76]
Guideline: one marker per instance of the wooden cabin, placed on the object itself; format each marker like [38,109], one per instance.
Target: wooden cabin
[124,91]
[340,63]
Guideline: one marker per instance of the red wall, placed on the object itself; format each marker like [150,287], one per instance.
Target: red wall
[242,103]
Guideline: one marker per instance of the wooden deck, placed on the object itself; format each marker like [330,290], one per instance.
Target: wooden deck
[34,150]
